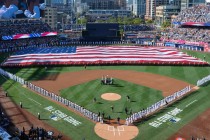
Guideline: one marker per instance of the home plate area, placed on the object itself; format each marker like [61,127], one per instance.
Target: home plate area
[121,132]
[116,130]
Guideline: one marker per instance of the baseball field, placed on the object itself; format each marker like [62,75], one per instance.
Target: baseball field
[145,85]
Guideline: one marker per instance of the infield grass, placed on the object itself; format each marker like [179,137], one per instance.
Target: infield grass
[200,99]
[141,97]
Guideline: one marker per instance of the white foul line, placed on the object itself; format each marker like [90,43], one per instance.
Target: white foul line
[34,101]
[121,127]
[190,103]
[118,131]
[113,129]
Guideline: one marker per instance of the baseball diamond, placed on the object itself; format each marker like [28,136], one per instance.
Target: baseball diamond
[145,85]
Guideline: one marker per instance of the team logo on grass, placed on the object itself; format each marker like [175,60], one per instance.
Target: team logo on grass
[54,117]
[175,119]
[169,116]
[58,115]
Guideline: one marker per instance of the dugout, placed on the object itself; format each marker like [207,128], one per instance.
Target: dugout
[101,32]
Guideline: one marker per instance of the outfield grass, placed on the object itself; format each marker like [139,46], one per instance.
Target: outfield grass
[200,98]
[141,97]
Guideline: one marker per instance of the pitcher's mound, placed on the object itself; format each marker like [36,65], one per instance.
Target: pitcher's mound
[111,96]
[121,132]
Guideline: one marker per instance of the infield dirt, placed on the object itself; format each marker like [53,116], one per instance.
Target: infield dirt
[64,80]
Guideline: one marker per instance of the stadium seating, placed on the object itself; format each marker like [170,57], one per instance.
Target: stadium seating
[192,24]
[189,33]
[13,45]
[13,27]
[198,13]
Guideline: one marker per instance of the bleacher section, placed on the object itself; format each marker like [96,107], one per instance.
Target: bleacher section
[198,13]
[26,26]
[192,24]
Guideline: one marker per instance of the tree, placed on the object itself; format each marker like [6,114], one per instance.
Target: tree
[111,20]
[149,21]
[127,21]
[82,20]
[137,21]
[166,24]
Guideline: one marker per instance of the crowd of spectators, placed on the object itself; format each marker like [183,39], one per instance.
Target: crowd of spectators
[24,26]
[37,134]
[13,27]
[198,13]
[147,34]
[13,45]
[28,26]
[4,121]
[194,34]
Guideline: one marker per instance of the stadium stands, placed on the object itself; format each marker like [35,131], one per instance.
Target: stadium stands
[198,13]
[192,24]
[13,27]
[189,33]
[13,45]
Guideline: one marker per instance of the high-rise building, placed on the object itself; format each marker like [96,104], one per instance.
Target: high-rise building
[121,4]
[176,2]
[129,1]
[51,16]
[189,3]
[151,7]
[105,4]
[165,12]
[139,7]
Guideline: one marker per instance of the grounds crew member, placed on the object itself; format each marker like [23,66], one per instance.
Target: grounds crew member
[21,105]
[38,116]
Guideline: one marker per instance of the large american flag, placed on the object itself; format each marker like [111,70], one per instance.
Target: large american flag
[101,55]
